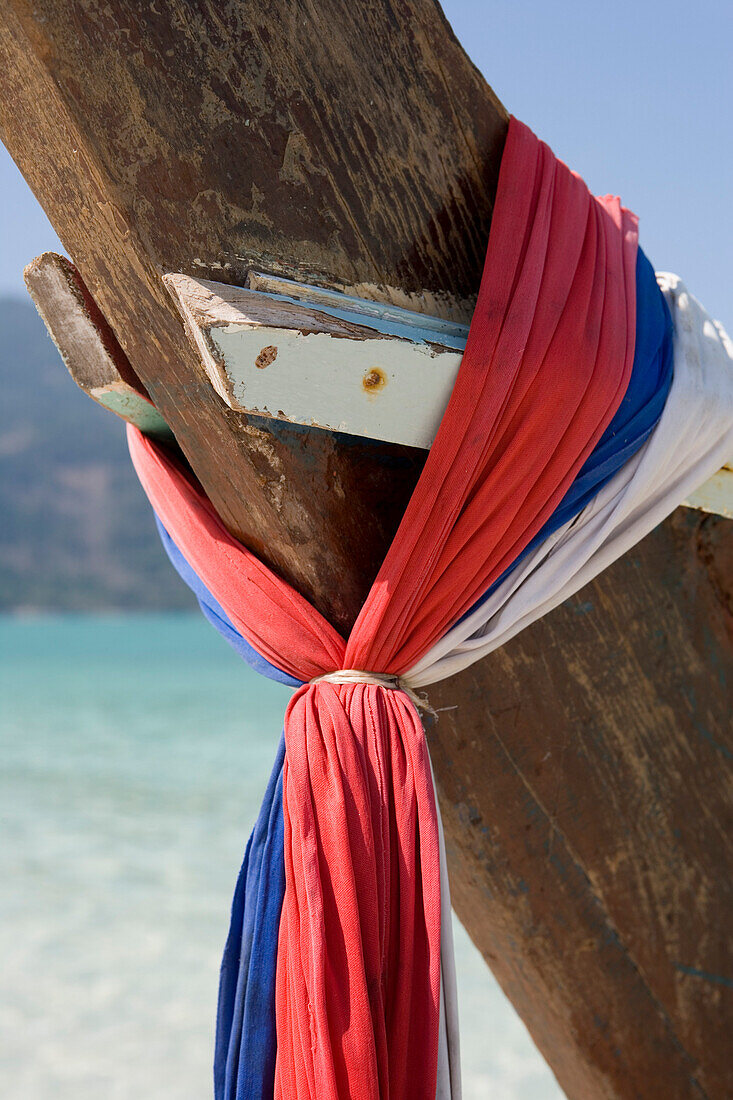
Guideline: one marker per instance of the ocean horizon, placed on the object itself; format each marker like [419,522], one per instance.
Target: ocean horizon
[135,753]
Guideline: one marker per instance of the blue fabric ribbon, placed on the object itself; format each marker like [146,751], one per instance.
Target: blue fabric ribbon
[217,616]
[244,1061]
[244,1055]
[635,418]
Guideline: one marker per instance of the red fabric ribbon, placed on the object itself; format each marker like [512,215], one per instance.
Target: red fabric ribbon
[546,365]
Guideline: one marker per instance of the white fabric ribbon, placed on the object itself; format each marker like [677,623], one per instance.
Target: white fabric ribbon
[691,441]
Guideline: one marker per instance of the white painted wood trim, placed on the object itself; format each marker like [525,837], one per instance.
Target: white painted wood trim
[716,495]
[313,356]
[342,369]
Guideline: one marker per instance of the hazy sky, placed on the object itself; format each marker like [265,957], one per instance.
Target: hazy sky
[637,97]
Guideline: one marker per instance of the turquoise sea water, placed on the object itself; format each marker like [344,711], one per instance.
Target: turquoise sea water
[134,753]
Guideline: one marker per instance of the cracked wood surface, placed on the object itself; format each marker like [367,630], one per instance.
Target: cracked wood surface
[88,346]
[586,783]
[585,772]
[353,144]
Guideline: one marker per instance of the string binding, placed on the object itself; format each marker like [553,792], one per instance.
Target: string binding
[379,679]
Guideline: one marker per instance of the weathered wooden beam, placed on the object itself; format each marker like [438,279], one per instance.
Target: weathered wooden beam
[342,363]
[210,137]
[355,145]
[586,782]
[332,366]
[555,837]
[87,345]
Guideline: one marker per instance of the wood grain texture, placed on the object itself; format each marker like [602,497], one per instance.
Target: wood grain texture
[87,345]
[348,143]
[353,143]
[586,782]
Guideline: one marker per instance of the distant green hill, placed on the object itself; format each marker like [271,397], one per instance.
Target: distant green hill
[76,533]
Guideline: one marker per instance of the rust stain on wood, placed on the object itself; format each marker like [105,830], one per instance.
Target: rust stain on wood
[267,356]
[374,380]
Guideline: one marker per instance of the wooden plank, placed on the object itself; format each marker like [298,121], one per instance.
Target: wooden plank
[327,367]
[383,316]
[87,345]
[354,145]
[390,380]
[716,495]
[315,357]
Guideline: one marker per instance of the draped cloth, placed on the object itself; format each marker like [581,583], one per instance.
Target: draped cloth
[691,441]
[484,546]
[358,964]
[246,1035]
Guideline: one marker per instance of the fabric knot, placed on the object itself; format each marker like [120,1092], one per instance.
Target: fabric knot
[379,679]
